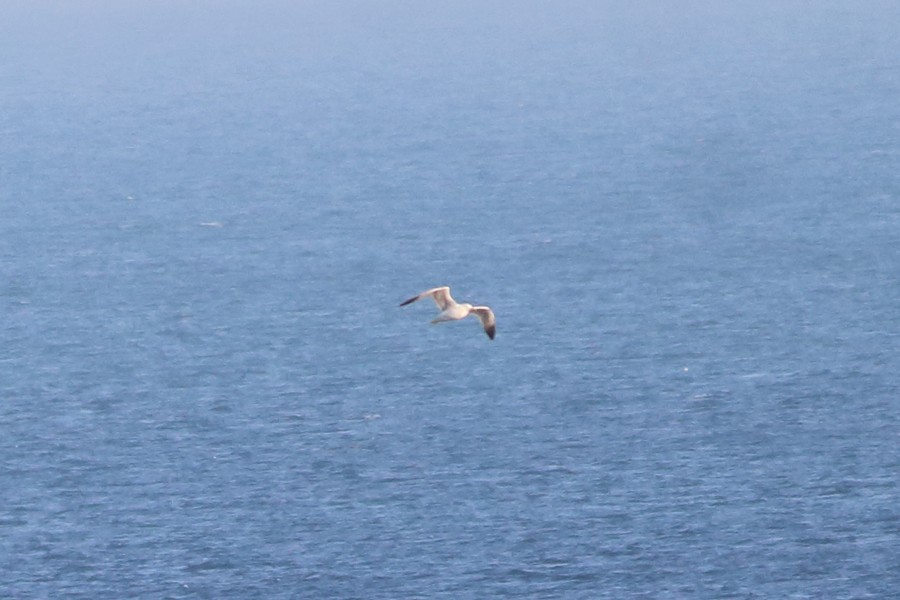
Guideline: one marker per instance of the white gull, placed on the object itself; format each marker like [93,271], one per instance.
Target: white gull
[452,311]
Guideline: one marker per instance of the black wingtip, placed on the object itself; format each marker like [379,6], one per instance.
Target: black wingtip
[490,331]
[410,301]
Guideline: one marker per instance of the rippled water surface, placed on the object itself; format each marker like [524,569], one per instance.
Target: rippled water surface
[687,221]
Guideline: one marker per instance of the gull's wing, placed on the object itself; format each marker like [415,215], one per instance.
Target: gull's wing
[440,295]
[486,316]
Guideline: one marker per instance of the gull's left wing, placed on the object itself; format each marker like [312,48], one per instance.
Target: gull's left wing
[486,316]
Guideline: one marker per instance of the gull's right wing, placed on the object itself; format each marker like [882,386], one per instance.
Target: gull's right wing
[440,295]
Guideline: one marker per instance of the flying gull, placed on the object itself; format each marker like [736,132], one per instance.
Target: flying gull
[451,311]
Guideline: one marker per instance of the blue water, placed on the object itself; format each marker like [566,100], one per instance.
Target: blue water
[686,218]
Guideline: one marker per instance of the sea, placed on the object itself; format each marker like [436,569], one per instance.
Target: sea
[685,216]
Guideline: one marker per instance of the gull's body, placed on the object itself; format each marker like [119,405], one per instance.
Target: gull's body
[453,311]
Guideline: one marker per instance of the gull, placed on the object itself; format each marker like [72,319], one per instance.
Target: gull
[452,311]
